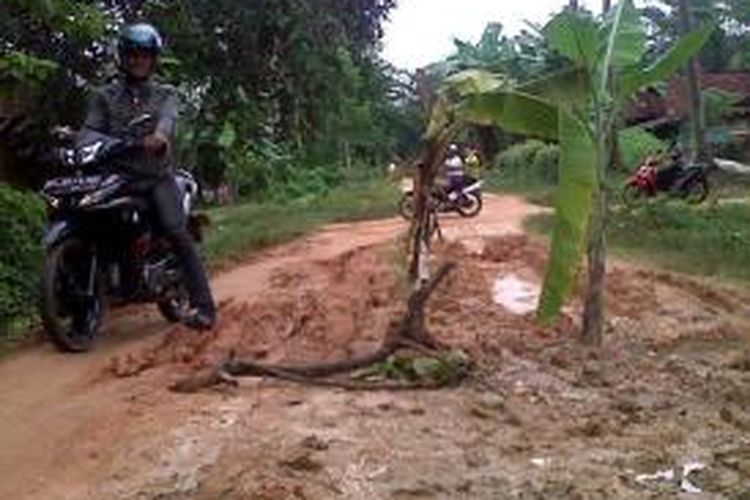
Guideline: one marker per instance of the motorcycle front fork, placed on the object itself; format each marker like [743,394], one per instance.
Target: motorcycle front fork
[93,271]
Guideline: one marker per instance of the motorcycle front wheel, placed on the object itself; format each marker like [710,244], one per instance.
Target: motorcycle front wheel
[71,312]
[696,190]
[176,306]
[470,206]
[631,195]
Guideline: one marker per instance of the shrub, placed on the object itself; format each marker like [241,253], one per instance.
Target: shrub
[635,145]
[21,226]
[527,164]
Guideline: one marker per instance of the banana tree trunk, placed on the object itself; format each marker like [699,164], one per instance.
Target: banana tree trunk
[426,169]
[593,314]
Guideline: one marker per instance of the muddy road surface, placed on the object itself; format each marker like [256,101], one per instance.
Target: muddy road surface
[661,411]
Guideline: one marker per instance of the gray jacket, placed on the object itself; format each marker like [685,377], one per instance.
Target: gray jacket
[112,107]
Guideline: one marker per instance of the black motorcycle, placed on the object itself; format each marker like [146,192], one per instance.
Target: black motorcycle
[467,203]
[101,246]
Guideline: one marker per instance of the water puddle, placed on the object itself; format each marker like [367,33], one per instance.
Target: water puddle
[516,295]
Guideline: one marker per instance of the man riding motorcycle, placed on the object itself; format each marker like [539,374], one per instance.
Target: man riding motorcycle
[111,109]
[454,171]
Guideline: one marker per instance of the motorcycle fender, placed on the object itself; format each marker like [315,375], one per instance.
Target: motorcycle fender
[56,232]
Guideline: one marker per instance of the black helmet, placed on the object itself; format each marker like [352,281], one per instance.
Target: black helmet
[139,36]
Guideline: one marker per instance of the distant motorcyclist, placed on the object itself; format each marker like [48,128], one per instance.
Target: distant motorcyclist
[454,171]
[111,109]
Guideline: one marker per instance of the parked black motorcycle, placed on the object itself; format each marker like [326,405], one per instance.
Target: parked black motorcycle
[101,246]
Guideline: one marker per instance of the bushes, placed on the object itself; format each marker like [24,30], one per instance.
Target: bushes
[270,172]
[21,227]
[528,164]
[635,145]
[534,163]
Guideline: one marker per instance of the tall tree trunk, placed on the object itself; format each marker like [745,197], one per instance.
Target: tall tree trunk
[606,6]
[347,154]
[573,5]
[698,146]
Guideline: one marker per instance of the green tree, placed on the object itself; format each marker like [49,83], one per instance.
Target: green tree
[299,76]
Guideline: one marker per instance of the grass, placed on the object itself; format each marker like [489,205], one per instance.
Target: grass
[711,240]
[238,229]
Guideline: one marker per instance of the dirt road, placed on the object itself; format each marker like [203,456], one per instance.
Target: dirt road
[541,419]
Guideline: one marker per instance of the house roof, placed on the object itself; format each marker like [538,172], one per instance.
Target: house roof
[676,99]
[673,103]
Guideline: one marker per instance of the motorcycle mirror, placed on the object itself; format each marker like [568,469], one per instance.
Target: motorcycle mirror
[62,133]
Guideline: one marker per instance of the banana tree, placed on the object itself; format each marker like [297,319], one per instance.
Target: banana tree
[581,108]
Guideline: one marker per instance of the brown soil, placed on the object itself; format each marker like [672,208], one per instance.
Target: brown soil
[539,417]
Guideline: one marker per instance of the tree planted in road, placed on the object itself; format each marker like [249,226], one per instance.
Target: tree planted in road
[581,107]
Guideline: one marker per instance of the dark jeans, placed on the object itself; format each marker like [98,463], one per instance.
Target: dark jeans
[455,183]
[164,197]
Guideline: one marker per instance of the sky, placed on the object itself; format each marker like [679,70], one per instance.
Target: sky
[422,31]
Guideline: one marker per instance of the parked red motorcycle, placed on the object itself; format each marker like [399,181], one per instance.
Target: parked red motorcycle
[688,183]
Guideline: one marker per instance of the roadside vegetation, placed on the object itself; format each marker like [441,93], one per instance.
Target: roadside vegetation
[711,241]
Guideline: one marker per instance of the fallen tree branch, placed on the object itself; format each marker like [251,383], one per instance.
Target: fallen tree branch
[407,332]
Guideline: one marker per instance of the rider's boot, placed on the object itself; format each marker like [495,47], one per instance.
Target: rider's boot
[200,319]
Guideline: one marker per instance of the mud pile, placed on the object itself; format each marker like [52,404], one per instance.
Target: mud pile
[341,308]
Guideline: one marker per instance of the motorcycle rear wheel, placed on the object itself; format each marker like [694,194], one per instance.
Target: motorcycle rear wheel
[72,319]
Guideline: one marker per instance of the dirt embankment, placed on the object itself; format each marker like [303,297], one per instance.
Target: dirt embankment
[662,410]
